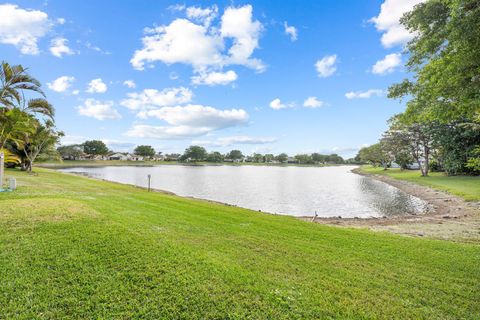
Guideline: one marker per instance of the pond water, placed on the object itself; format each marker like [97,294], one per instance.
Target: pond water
[289,190]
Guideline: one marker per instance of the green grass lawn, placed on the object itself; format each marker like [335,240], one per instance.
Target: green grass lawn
[467,187]
[72,247]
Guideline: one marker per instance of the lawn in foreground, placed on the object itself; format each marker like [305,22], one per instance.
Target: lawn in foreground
[75,247]
[467,187]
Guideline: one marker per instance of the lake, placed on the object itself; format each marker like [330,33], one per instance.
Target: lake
[289,190]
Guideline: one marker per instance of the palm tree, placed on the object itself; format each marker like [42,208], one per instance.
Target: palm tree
[14,80]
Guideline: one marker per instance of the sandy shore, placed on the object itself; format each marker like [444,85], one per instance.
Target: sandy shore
[449,216]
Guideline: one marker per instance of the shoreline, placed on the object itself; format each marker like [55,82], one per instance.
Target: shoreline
[449,217]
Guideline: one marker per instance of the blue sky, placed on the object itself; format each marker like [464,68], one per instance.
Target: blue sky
[259,76]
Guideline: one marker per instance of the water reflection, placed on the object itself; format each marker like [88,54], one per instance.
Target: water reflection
[299,191]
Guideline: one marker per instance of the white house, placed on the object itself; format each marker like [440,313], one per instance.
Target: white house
[118,156]
[134,157]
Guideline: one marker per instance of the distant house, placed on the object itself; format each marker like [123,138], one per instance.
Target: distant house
[158,157]
[292,160]
[118,156]
[134,157]
[98,157]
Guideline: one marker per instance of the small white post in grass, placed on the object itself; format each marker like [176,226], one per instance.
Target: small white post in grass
[12,184]
[149,178]
[1,169]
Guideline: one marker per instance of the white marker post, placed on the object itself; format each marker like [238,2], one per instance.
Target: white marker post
[149,178]
[2,160]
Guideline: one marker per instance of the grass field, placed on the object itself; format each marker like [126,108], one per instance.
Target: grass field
[72,247]
[467,187]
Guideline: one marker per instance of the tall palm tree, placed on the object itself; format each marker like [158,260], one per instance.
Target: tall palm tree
[14,80]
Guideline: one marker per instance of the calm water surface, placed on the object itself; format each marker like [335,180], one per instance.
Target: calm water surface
[297,191]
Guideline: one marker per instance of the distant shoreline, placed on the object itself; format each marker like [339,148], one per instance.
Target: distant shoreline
[450,217]
[106,163]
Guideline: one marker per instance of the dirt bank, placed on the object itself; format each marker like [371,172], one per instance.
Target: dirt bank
[449,217]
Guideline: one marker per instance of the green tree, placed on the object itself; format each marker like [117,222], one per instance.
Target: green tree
[257,157]
[444,60]
[71,152]
[14,109]
[399,145]
[304,158]
[282,158]
[376,154]
[42,140]
[473,162]
[215,157]
[235,155]
[268,157]
[454,144]
[334,158]
[194,153]
[144,151]
[95,147]
[14,80]
[319,158]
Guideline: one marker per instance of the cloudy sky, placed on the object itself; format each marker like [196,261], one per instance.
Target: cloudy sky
[252,75]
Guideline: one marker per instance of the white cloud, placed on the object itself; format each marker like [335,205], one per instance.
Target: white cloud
[188,121]
[387,64]
[313,102]
[100,110]
[96,48]
[198,116]
[277,104]
[61,21]
[129,83]
[75,92]
[234,140]
[165,133]
[152,98]
[237,24]
[215,78]
[69,139]
[203,15]
[291,31]
[180,42]
[59,47]
[119,145]
[23,28]
[61,84]
[364,94]
[326,66]
[97,86]
[388,21]
[202,46]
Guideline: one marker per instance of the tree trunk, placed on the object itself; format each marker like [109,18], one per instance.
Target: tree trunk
[427,160]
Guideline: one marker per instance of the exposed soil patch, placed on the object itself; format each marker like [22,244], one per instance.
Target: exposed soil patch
[450,217]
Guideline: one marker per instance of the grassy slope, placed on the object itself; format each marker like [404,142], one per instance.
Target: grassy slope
[76,247]
[467,187]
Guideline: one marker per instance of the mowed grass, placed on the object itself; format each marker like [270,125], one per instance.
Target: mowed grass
[467,187]
[72,247]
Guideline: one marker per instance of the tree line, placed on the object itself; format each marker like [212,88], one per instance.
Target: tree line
[440,128]
[27,125]
[196,154]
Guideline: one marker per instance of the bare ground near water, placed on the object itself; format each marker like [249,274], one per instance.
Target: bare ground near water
[449,217]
